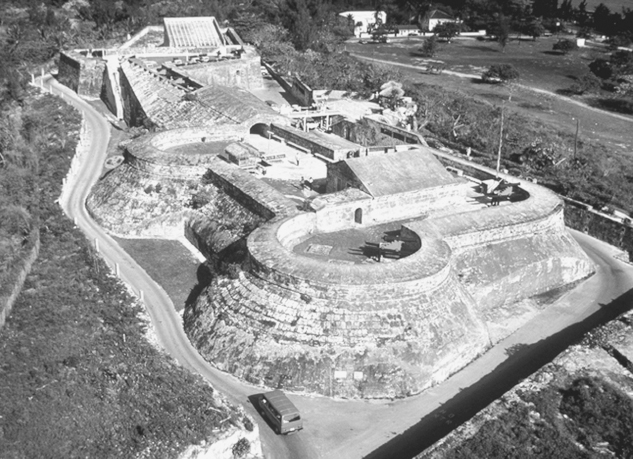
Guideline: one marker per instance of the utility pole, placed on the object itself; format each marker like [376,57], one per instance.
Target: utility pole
[500,144]
[501,135]
[576,137]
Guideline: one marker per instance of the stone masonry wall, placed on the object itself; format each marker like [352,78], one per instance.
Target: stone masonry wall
[82,74]
[270,335]
[250,192]
[383,209]
[242,73]
[69,71]
[306,140]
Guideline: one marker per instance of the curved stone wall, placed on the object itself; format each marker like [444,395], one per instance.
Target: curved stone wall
[381,330]
[270,248]
[149,153]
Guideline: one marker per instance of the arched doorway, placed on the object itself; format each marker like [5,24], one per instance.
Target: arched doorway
[358,216]
[260,128]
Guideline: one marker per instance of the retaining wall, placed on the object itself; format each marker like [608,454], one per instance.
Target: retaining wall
[243,73]
[315,144]
[82,74]
[619,234]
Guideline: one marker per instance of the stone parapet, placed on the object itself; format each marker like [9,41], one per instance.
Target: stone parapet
[252,193]
[149,153]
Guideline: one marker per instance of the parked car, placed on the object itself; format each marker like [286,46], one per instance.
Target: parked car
[281,412]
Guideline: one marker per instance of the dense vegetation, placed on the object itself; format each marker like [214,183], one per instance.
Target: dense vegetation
[588,418]
[79,377]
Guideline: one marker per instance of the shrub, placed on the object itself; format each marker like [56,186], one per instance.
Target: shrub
[605,414]
[429,47]
[585,83]
[500,73]
[565,46]
[241,448]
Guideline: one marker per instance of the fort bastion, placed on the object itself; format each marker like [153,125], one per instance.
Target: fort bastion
[396,274]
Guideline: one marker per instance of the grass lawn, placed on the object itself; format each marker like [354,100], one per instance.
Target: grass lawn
[538,68]
[538,65]
[169,263]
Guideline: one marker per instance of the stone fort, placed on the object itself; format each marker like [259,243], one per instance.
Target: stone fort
[405,266]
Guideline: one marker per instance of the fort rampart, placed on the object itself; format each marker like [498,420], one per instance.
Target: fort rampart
[298,316]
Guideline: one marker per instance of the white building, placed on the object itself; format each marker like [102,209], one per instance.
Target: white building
[365,21]
[436,17]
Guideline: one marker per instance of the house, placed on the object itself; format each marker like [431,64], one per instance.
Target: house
[435,17]
[365,21]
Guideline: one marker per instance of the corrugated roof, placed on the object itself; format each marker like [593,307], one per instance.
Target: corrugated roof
[400,172]
[195,32]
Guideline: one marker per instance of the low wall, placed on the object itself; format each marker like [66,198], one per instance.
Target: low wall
[577,215]
[581,218]
[397,132]
[395,207]
[359,285]
[278,78]
[313,143]
[148,153]
[252,193]
[243,73]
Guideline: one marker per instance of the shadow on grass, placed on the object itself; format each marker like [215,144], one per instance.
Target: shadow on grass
[624,106]
[553,53]
[522,361]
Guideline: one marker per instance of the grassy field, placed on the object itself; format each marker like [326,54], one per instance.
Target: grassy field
[538,67]
[169,263]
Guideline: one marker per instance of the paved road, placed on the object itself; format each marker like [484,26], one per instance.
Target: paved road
[373,429]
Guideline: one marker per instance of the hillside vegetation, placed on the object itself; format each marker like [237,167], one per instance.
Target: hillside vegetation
[79,376]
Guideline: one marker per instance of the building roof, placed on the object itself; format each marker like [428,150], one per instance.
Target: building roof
[195,32]
[439,14]
[400,172]
[164,103]
[237,105]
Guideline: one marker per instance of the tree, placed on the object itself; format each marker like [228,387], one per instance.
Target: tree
[447,30]
[581,14]
[566,10]
[545,8]
[620,63]
[501,30]
[603,20]
[565,46]
[534,29]
[585,83]
[500,73]
[429,47]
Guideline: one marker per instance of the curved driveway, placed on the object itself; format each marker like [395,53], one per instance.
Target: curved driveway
[355,429]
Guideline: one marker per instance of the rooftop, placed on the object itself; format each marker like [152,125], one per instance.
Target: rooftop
[193,32]
[400,172]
